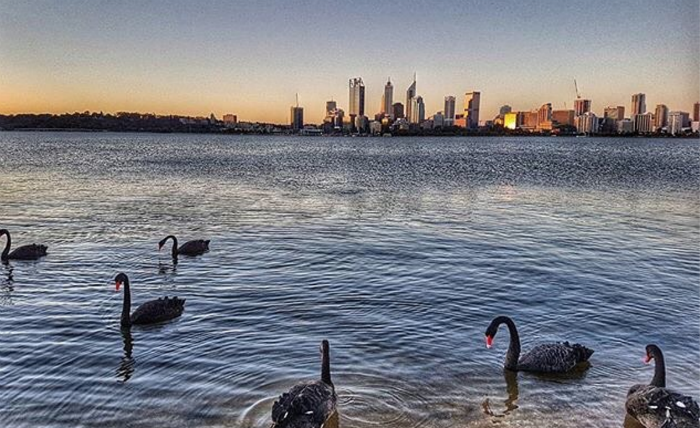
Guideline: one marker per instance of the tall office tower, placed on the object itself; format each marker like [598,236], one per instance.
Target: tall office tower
[614,113]
[581,106]
[357,97]
[297,118]
[639,105]
[661,116]
[330,108]
[417,110]
[544,117]
[410,95]
[504,110]
[388,98]
[677,120]
[450,110]
[397,108]
[643,123]
[471,109]
[696,112]
[586,123]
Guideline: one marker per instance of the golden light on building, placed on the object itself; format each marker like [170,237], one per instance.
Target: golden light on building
[511,120]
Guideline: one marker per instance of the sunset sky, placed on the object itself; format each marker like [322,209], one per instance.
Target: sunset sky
[251,57]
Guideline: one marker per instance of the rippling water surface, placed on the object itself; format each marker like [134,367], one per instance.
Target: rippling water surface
[400,251]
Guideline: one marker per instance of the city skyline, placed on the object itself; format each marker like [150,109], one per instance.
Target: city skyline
[232,58]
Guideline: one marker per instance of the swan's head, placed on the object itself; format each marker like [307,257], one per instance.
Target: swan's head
[161,243]
[652,351]
[120,279]
[491,331]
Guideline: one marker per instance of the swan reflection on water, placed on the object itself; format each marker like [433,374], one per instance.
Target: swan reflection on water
[511,378]
[126,366]
[7,285]
[165,268]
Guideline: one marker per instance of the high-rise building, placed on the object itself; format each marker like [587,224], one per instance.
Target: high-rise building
[297,118]
[586,123]
[676,121]
[581,106]
[563,117]
[513,120]
[450,110]
[330,107]
[544,117]
[388,98]
[410,95]
[639,105]
[660,116]
[417,110]
[357,97]
[644,123]
[696,112]
[471,109]
[438,120]
[397,108]
[614,113]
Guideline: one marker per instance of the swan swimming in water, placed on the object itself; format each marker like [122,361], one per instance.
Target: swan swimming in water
[151,312]
[307,404]
[654,406]
[25,252]
[190,248]
[546,358]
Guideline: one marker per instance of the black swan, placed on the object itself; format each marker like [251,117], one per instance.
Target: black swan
[189,248]
[654,406]
[25,252]
[151,312]
[307,404]
[546,358]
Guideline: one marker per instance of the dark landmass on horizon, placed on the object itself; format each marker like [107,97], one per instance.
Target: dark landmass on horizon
[152,123]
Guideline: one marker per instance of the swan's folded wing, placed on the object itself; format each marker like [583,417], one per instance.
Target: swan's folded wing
[549,358]
[305,405]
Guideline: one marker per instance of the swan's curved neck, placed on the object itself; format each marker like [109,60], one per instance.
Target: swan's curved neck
[326,368]
[126,307]
[8,243]
[513,353]
[659,379]
[174,251]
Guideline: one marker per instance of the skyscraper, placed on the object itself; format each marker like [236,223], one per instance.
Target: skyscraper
[450,110]
[639,105]
[643,123]
[330,108]
[660,116]
[410,95]
[696,112]
[397,108]
[388,98]
[357,97]
[614,113]
[544,117]
[581,106]
[471,109]
[297,118]
[417,110]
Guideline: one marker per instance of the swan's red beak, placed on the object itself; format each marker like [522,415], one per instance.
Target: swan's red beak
[489,341]
[118,284]
[646,359]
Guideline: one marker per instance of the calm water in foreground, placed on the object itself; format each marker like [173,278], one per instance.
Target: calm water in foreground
[400,251]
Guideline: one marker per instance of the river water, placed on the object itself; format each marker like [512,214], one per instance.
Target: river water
[399,251]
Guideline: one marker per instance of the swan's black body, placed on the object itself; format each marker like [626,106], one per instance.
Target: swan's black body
[654,406]
[151,312]
[25,252]
[308,404]
[547,358]
[189,248]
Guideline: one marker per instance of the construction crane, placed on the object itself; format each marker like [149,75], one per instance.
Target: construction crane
[578,95]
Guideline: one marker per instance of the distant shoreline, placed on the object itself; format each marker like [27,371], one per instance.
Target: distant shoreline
[398,134]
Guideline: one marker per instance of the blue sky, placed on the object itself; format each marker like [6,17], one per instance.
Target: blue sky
[250,58]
